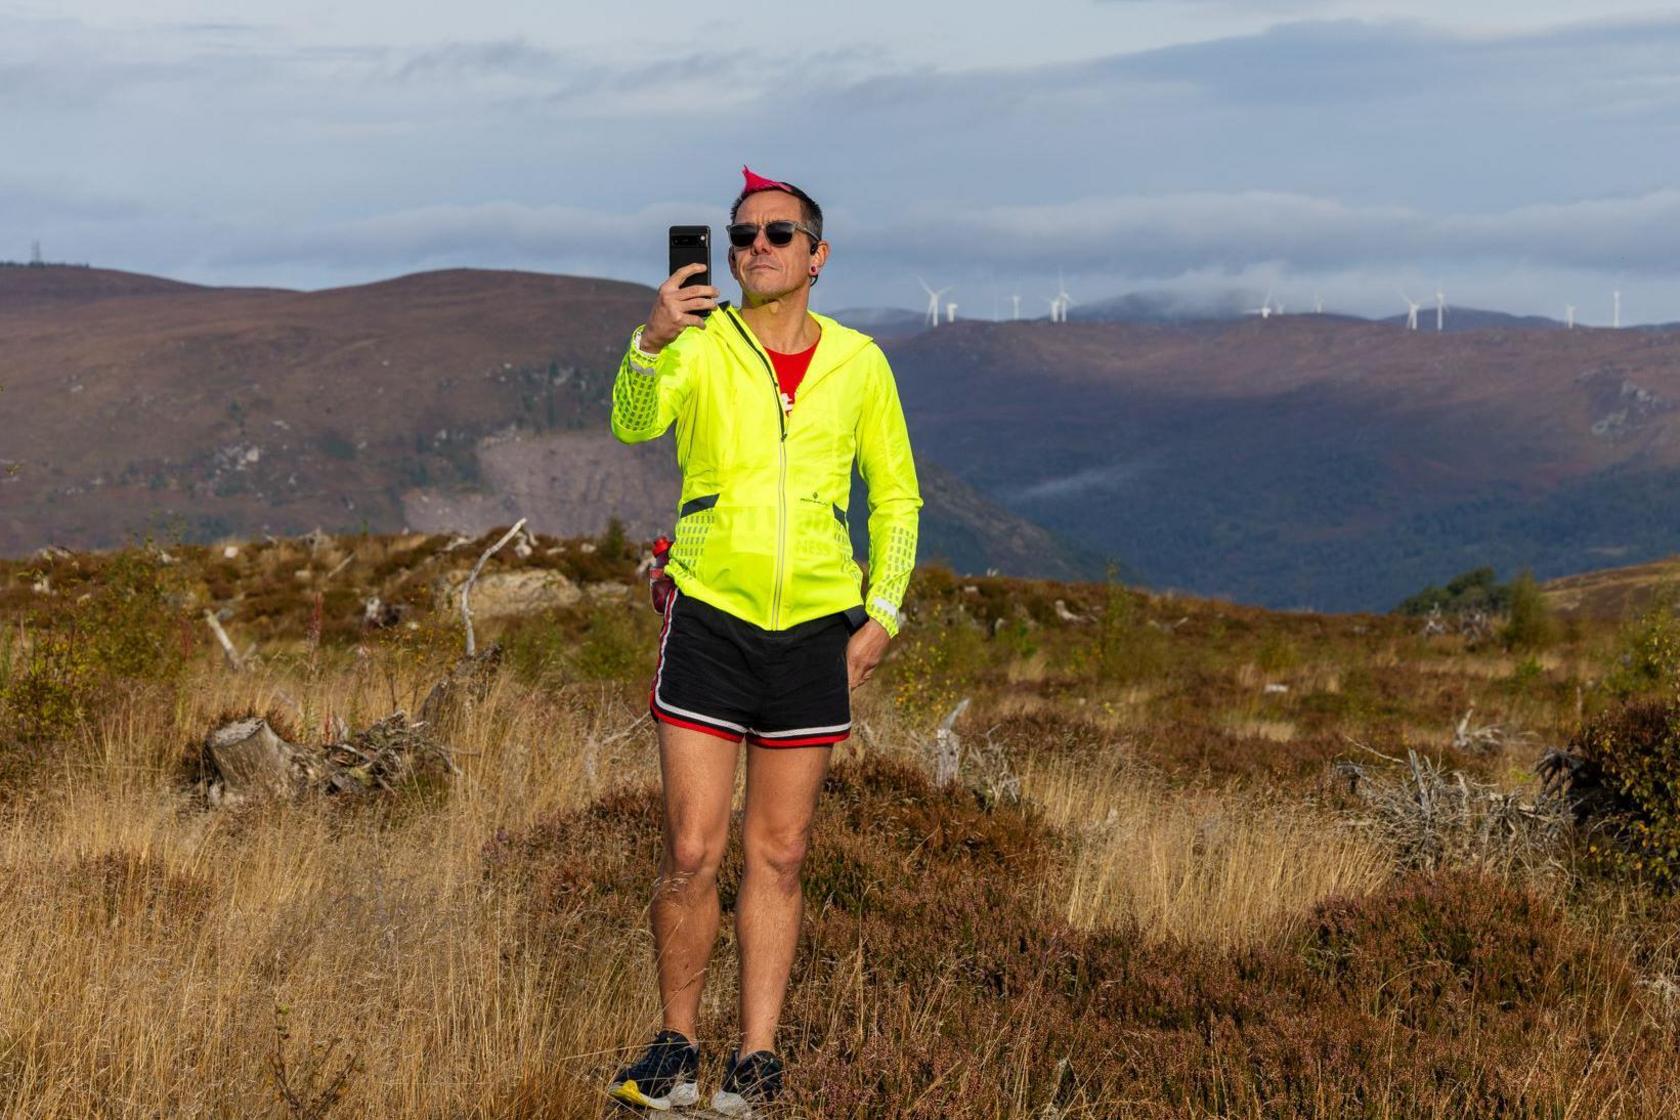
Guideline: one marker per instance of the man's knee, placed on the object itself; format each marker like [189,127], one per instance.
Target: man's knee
[691,858]
[780,854]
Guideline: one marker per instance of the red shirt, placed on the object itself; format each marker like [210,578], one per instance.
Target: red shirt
[790,371]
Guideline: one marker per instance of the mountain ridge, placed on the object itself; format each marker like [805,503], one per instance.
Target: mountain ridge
[156,407]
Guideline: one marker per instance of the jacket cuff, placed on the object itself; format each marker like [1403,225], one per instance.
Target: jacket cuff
[886,614]
[640,360]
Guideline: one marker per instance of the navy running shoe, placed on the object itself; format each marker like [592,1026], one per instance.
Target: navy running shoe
[750,1082]
[666,1076]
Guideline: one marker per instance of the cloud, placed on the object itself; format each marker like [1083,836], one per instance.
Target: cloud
[496,233]
[1164,235]
[1330,148]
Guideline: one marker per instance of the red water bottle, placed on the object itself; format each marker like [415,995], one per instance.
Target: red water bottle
[660,585]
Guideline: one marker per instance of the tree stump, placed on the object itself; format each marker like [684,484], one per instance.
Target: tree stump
[254,764]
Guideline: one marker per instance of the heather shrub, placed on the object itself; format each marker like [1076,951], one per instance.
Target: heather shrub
[1442,951]
[936,979]
[1628,791]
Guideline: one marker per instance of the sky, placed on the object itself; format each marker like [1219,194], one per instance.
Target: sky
[1519,156]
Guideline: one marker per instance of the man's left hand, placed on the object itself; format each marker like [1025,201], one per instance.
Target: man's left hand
[864,651]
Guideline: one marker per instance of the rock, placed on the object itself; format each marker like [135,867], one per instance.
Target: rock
[1066,615]
[509,594]
[380,615]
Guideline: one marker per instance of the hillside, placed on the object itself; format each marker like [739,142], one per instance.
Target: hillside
[1309,462]
[1615,593]
[442,401]
[1298,461]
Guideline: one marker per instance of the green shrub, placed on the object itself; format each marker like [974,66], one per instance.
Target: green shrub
[1127,648]
[1646,657]
[613,646]
[1529,625]
[65,667]
[48,690]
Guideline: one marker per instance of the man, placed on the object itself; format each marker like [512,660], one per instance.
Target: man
[768,630]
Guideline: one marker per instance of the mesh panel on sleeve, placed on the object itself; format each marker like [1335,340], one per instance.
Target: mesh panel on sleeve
[636,400]
[889,576]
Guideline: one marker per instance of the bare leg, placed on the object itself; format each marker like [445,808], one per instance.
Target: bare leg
[782,788]
[699,779]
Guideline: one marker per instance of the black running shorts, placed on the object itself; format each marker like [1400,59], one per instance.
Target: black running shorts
[774,688]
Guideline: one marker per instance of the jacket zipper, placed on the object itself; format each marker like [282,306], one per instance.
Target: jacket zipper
[781,483]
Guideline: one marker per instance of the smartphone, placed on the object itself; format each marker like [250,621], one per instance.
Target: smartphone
[692,245]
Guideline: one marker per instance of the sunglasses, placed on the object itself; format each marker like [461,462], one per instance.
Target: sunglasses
[743,234]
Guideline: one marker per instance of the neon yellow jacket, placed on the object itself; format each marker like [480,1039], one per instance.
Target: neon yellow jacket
[761,523]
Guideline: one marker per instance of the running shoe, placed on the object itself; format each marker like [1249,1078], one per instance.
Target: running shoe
[750,1082]
[666,1076]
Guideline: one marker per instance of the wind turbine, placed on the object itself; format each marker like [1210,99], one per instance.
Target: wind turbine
[1318,304]
[1616,315]
[933,301]
[1055,303]
[950,312]
[1016,300]
[1440,309]
[1569,316]
[1062,295]
[1411,311]
[1265,308]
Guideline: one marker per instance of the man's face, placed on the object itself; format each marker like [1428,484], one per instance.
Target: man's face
[765,271]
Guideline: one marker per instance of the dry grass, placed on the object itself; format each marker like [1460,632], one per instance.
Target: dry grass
[146,943]
[1200,866]
[1272,730]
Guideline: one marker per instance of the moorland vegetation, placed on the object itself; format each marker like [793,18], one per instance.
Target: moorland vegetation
[1196,859]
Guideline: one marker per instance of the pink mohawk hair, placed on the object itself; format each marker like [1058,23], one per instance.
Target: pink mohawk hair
[757,182]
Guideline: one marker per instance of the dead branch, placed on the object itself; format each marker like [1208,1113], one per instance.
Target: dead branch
[1432,818]
[947,747]
[472,577]
[228,651]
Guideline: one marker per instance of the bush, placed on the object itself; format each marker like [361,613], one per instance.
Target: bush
[1530,625]
[1647,654]
[1125,648]
[127,628]
[1627,791]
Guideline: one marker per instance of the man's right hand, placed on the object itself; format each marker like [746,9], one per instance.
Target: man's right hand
[676,307]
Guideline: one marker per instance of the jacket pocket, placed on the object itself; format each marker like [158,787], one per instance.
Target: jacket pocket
[697,505]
